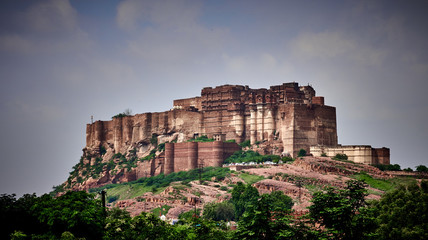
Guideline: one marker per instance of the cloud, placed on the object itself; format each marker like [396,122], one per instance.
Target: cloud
[330,45]
[167,36]
[14,43]
[51,16]
[31,110]
[322,45]
[179,15]
[235,64]
[43,27]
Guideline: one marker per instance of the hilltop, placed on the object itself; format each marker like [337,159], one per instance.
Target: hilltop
[181,192]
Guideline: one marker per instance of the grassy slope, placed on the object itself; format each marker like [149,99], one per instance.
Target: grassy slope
[384,185]
[159,183]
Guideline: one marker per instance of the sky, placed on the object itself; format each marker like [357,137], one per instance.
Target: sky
[63,61]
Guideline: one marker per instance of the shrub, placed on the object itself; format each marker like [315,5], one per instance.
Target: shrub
[111,199]
[323,155]
[340,156]
[388,167]
[102,150]
[125,113]
[245,143]
[302,153]
[161,147]
[154,139]
[219,211]
[250,156]
[421,168]
[202,138]
[287,159]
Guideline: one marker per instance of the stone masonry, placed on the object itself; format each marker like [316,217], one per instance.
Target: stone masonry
[287,117]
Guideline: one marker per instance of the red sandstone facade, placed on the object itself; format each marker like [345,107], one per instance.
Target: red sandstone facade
[287,116]
[190,155]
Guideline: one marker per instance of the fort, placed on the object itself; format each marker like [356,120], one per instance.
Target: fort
[284,118]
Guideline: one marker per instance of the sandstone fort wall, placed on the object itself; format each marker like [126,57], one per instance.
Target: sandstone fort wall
[358,153]
[190,155]
[288,116]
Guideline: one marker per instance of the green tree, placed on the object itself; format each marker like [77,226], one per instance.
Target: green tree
[200,228]
[421,168]
[267,218]
[118,224]
[340,156]
[242,197]
[76,212]
[16,216]
[403,213]
[280,202]
[302,153]
[342,212]
[148,226]
[223,211]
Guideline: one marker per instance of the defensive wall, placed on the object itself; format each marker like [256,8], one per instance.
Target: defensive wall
[356,153]
[288,117]
[190,155]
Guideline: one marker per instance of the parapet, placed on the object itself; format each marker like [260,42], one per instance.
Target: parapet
[356,153]
[188,103]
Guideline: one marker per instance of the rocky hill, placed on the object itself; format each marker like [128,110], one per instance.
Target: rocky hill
[299,179]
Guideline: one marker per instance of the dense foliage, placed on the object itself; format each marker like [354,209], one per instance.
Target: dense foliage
[48,218]
[162,180]
[401,213]
[342,213]
[388,167]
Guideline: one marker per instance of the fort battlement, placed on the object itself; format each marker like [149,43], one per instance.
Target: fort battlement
[287,117]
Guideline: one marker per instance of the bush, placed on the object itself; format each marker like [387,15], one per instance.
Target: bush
[302,153]
[111,199]
[154,139]
[287,159]
[202,138]
[245,143]
[421,168]
[125,113]
[250,156]
[388,167]
[219,211]
[340,156]
[102,150]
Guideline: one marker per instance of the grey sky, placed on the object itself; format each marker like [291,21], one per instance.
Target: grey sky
[63,61]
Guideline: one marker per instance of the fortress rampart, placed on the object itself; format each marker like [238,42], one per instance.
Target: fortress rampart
[288,117]
[190,155]
[356,153]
